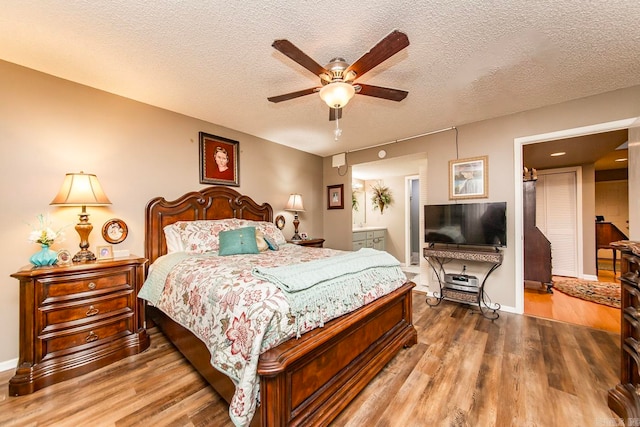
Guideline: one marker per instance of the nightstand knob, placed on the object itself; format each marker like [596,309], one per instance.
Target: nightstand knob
[91,337]
[92,285]
[92,311]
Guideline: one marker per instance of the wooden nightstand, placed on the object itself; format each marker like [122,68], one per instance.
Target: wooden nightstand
[314,243]
[77,318]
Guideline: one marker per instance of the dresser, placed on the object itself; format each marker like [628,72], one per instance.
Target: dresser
[77,318]
[623,398]
[369,238]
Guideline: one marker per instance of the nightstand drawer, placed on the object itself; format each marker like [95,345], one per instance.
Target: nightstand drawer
[82,338]
[57,316]
[61,288]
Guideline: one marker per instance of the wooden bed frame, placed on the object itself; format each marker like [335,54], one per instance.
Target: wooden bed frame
[306,381]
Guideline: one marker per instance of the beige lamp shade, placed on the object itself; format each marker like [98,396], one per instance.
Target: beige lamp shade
[81,189]
[295,203]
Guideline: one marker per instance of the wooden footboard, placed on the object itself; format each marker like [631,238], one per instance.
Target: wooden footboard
[309,381]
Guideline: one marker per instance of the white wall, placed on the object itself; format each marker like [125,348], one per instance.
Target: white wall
[392,218]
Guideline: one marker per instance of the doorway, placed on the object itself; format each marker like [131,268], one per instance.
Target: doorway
[553,137]
[413,220]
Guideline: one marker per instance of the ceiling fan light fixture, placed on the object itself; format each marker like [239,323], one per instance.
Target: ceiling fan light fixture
[337,94]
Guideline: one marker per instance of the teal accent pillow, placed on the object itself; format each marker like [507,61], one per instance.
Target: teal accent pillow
[238,241]
[272,243]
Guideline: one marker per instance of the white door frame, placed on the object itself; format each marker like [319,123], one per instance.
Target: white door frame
[517,170]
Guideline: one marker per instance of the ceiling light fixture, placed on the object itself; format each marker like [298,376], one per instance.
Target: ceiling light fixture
[560,153]
[337,94]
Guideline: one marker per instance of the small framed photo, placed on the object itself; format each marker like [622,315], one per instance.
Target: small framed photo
[335,196]
[219,160]
[64,257]
[468,178]
[104,252]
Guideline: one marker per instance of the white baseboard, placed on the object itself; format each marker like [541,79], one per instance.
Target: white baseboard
[505,308]
[8,365]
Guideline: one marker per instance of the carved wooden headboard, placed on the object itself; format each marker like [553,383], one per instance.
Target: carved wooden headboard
[208,203]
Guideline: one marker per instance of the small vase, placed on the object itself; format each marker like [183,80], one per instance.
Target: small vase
[44,257]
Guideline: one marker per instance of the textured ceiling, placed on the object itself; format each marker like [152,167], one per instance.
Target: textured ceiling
[213,60]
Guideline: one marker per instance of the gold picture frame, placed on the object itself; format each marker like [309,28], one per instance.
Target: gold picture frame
[468,178]
[104,252]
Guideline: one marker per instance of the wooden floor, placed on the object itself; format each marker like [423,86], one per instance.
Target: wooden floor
[560,306]
[464,371]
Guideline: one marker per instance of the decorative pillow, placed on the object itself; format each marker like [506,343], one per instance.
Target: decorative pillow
[260,242]
[271,243]
[198,236]
[239,241]
[201,236]
[269,229]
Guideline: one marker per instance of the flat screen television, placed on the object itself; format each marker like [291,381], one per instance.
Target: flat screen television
[473,224]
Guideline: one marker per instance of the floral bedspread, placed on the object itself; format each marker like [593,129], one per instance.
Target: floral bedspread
[237,315]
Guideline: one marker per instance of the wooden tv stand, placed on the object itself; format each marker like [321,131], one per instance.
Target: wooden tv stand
[437,257]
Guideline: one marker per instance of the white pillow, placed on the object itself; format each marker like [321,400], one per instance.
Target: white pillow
[201,236]
[172,237]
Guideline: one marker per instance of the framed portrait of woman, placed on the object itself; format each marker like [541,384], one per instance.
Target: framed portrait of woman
[219,160]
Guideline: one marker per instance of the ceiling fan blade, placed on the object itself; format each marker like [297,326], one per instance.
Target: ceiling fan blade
[383,50]
[383,92]
[335,113]
[292,95]
[289,49]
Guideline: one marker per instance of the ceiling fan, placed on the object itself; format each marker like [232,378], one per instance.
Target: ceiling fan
[338,77]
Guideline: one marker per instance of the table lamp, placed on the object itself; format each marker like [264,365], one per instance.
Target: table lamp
[82,189]
[295,205]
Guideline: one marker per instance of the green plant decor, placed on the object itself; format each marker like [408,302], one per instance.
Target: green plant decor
[381,197]
[354,201]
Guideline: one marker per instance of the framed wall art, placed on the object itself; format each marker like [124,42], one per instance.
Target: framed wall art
[335,196]
[219,160]
[114,231]
[468,178]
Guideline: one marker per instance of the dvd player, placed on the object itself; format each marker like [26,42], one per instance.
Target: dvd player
[461,279]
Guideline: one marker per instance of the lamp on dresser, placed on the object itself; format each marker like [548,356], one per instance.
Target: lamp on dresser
[295,205]
[82,189]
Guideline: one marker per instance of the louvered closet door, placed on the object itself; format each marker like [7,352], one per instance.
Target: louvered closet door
[556,204]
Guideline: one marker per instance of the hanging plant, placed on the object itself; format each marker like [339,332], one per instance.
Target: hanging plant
[354,201]
[381,197]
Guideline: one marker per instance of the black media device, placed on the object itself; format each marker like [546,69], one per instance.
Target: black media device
[473,224]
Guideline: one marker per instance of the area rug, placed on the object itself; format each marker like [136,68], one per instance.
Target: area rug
[605,293]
